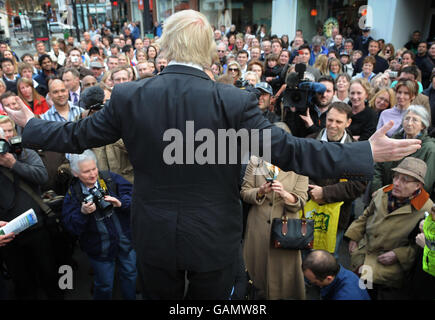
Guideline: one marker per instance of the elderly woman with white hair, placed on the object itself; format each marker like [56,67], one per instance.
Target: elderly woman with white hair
[415,122]
[97,210]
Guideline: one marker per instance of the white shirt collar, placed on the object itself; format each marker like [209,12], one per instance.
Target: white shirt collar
[188,64]
[325,136]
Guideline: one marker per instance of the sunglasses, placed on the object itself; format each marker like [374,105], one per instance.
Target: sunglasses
[234,70]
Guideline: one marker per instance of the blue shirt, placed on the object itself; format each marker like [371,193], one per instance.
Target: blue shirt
[53,115]
[344,287]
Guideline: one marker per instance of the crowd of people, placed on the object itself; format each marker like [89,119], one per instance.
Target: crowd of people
[367,83]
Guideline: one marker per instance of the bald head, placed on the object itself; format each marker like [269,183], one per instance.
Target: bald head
[89,81]
[321,264]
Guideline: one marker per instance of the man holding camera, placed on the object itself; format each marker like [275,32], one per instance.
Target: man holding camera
[97,210]
[314,119]
[29,258]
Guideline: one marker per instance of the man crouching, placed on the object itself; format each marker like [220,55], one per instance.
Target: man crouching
[97,210]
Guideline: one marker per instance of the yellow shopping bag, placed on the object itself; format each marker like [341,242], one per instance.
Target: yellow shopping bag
[325,223]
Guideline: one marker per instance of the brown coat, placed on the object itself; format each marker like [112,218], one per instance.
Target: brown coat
[277,273]
[114,157]
[378,231]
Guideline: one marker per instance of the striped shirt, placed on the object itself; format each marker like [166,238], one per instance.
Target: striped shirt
[53,115]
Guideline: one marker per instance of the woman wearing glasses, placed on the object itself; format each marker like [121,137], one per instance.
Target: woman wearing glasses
[234,70]
[415,122]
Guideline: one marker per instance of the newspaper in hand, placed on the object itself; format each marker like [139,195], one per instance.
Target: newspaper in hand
[20,223]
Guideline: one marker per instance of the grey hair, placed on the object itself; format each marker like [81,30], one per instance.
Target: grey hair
[420,111]
[76,159]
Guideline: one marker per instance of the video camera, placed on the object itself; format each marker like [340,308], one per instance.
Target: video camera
[97,196]
[300,91]
[12,146]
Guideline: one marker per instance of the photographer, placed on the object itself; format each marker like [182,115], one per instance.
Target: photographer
[29,258]
[314,119]
[97,210]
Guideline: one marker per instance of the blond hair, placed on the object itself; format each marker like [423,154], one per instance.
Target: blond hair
[188,37]
[321,64]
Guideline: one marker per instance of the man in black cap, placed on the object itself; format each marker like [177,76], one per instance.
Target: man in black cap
[362,41]
[264,101]
[346,62]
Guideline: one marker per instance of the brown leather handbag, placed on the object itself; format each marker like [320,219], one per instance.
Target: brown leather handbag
[294,234]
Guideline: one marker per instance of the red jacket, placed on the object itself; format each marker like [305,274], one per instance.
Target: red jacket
[39,106]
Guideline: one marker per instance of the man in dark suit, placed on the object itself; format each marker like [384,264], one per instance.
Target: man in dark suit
[186,213]
[381,64]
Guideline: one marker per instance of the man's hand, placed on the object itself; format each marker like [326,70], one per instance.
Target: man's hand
[316,193]
[7,160]
[352,246]
[88,208]
[21,115]
[4,240]
[115,202]
[388,258]
[385,149]
[307,119]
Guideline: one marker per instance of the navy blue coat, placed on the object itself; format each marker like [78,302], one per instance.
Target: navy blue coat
[345,286]
[188,216]
[99,243]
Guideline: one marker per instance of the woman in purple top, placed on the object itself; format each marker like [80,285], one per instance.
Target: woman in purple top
[406,91]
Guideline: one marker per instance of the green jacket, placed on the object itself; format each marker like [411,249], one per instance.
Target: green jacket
[429,248]
[384,176]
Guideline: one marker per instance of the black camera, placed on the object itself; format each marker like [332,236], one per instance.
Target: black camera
[12,146]
[269,180]
[245,85]
[300,92]
[97,196]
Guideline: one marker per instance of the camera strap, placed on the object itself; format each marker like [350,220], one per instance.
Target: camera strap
[26,188]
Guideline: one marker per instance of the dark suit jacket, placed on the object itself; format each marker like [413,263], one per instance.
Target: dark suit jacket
[189,217]
[380,66]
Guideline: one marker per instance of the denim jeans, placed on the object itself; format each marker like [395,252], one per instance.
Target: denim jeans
[338,241]
[104,273]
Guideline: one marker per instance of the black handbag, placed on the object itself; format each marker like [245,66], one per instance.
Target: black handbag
[295,234]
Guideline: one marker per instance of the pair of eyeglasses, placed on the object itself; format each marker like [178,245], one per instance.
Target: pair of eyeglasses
[403,178]
[234,70]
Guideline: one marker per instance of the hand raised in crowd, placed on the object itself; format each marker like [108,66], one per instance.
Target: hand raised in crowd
[385,149]
[115,202]
[21,114]
[4,240]
[279,188]
[88,208]
[388,258]
[307,118]
[316,193]
[353,245]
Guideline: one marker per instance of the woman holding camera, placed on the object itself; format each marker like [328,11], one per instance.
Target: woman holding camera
[276,273]
[97,210]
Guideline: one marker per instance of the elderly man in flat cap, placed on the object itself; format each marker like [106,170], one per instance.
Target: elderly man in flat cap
[380,241]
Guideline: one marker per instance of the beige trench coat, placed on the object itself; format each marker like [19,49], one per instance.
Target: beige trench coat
[378,231]
[276,273]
